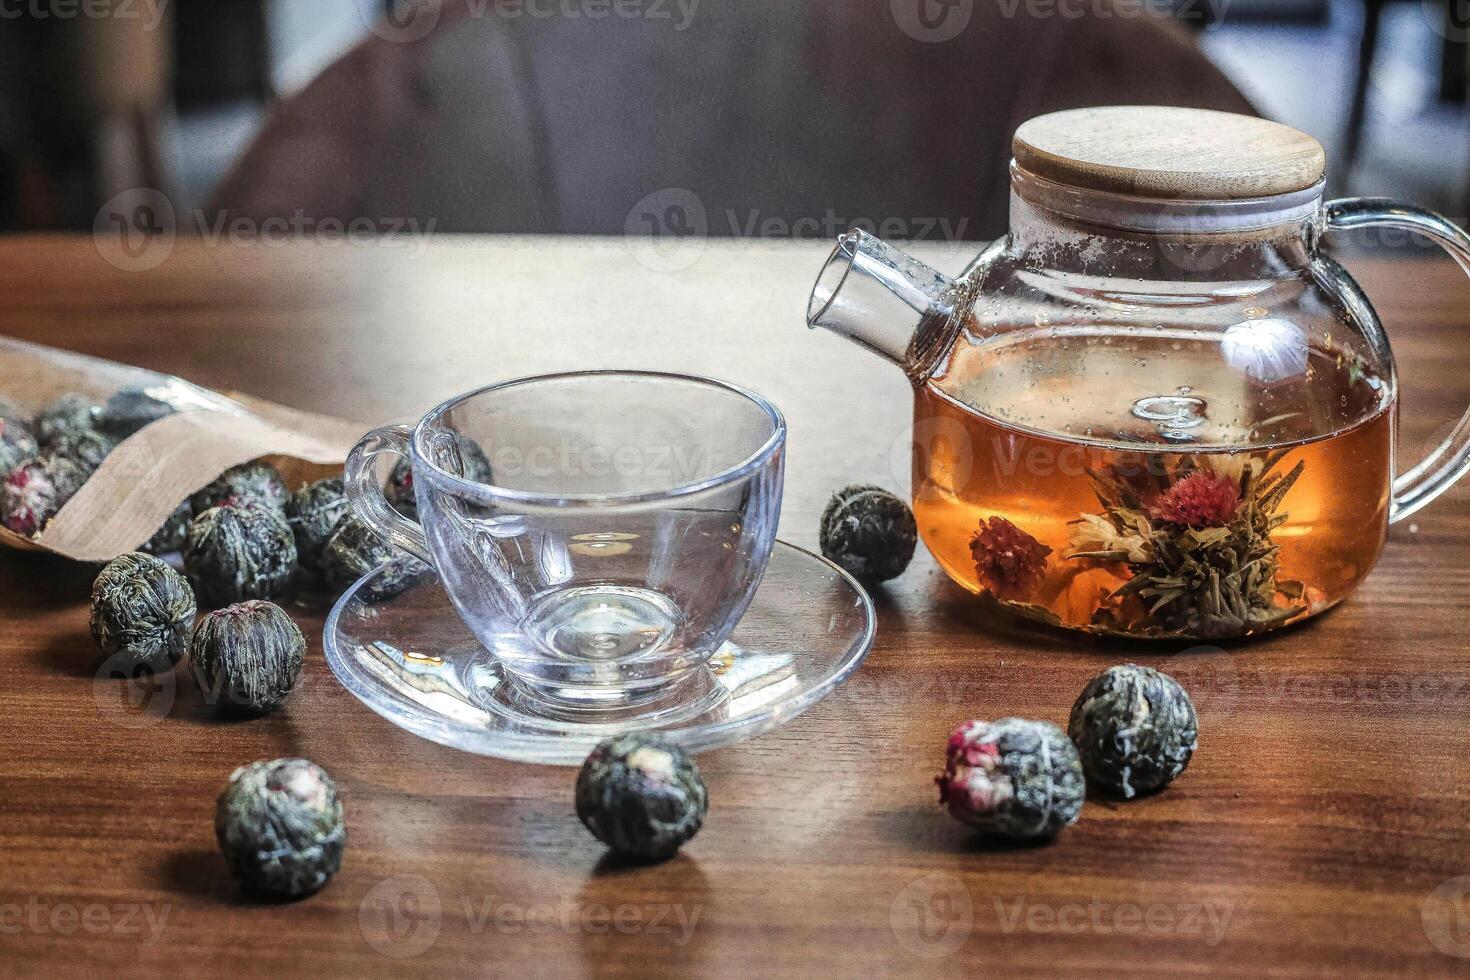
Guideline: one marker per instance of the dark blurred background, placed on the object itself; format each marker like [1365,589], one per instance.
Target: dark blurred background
[591,116]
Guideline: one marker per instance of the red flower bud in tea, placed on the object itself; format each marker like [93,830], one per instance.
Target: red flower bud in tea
[1199,500]
[1010,562]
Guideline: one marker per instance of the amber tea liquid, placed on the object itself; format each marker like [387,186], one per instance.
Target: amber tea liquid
[1013,425]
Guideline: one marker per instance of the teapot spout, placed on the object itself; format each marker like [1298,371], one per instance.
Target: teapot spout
[886,300]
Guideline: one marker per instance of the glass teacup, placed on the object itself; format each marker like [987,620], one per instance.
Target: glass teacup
[617,538]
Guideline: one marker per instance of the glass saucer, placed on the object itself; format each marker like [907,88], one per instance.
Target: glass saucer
[412,660]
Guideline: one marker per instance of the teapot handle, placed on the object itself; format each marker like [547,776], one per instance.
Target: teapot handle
[1449,461]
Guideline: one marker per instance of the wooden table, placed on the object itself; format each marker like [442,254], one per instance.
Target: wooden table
[1326,805]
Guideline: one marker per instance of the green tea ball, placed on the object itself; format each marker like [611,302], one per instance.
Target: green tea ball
[313,513]
[175,531]
[1135,729]
[1013,778]
[35,491]
[131,410]
[459,455]
[642,796]
[87,448]
[279,824]
[66,416]
[242,549]
[247,656]
[869,532]
[17,443]
[356,549]
[143,609]
[256,481]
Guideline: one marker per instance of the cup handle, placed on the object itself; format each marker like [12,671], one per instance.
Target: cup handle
[365,491]
[1449,461]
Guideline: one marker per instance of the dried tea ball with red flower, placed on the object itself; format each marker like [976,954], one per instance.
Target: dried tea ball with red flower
[642,796]
[279,824]
[247,656]
[1134,728]
[869,532]
[242,549]
[143,610]
[1013,778]
[35,492]
[174,532]
[1009,562]
[257,481]
[356,549]
[313,513]
[68,415]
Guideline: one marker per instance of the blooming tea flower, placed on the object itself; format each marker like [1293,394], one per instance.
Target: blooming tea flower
[1011,563]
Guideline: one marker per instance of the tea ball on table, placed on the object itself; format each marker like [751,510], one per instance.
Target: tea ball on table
[642,796]
[313,513]
[279,824]
[356,549]
[869,532]
[248,656]
[142,609]
[1013,778]
[1135,729]
[35,491]
[242,549]
[68,415]
[256,481]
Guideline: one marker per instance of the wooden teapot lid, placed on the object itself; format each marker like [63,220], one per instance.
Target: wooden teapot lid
[1164,152]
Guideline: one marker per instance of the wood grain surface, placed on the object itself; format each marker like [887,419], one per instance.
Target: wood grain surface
[1320,831]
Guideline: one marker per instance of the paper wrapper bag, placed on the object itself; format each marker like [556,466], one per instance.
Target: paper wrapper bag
[145,479]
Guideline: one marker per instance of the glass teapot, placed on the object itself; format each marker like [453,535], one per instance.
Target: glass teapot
[1154,408]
